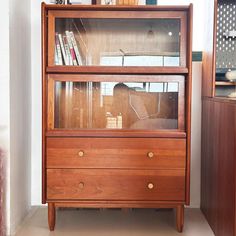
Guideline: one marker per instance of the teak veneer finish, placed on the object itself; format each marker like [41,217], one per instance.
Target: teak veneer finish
[132,153]
[102,168]
[218,163]
[113,184]
[218,192]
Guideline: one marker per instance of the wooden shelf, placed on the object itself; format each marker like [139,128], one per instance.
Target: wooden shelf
[117,70]
[116,133]
[225,83]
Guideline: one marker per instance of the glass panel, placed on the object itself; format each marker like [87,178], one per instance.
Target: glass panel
[113,105]
[117,42]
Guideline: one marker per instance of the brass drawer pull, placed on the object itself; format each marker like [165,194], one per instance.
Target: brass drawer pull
[150,154]
[81,153]
[150,186]
[81,185]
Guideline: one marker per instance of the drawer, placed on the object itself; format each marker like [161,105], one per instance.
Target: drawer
[110,184]
[153,153]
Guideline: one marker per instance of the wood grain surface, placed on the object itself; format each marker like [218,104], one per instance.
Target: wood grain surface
[97,184]
[218,166]
[116,153]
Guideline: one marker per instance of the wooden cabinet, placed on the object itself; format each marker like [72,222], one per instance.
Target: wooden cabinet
[116,107]
[218,120]
[218,165]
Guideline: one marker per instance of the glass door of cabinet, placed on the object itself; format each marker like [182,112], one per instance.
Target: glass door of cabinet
[117,38]
[137,103]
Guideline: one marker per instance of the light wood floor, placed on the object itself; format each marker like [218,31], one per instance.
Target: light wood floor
[112,222]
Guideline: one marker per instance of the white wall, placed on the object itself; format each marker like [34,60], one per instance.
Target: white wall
[20,111]
[195,181]
[36,103]
[36,114]
[15,109]
[198,19]
[4,105]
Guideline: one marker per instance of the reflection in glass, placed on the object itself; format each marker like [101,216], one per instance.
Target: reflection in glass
[113,105]
[117,42]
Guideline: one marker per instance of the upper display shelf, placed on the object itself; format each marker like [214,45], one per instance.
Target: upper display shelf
[117,39]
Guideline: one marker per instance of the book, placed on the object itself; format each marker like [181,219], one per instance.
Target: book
[77,53]
[67,51]
[151,2]
[108,2]
[55,56]
[65,58]
[84,2]
[58,49]
[72,52]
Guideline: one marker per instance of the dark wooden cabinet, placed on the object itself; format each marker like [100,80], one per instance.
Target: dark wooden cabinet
[218,173]
[116,107]
[219,120]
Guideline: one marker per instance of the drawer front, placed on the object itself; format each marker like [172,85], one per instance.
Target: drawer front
[153,153]
[103,184]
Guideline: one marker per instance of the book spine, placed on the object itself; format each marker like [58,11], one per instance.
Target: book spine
[58,49]
[55,56]
[67,50]
[77,53]
[63,50]
[72,52]
[119,121]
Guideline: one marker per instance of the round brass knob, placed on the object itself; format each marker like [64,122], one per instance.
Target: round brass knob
[81,153]
[150,154]
[81,185]
[150,185]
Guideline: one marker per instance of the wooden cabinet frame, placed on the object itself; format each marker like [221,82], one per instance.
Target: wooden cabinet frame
[51,73]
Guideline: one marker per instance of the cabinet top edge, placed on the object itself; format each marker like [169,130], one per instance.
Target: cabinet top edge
[117,7]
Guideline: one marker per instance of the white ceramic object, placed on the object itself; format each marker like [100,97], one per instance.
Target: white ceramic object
[232,95]
[231,75]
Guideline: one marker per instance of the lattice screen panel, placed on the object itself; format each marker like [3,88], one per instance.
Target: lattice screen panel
[226,46]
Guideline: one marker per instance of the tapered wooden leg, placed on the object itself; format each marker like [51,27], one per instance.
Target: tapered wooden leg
[180,218]
[51,216]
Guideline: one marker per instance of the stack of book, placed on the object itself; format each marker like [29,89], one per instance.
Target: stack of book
[67,52]
[127,2]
